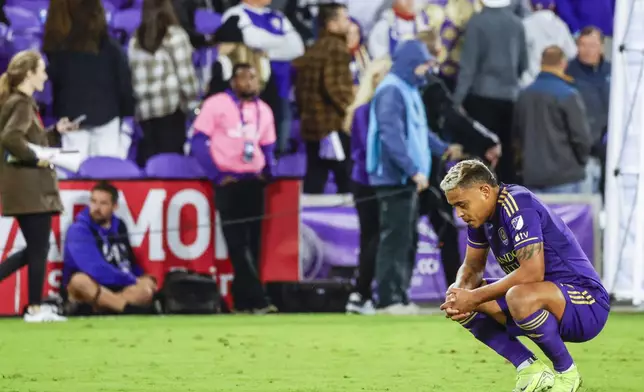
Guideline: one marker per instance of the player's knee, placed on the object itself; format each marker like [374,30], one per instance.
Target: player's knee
[147,296]
[82,286]
[519,298]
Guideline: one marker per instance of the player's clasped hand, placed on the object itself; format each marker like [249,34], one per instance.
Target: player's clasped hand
[459,303]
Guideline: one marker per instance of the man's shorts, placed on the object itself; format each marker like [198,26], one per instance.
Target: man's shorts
[585,315]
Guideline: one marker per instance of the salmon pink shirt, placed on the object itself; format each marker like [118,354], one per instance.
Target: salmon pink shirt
[231,125]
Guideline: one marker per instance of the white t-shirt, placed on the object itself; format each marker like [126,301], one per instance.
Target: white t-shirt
[543,28]
[280,47]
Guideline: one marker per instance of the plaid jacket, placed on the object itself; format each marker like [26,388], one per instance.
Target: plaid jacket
[165,80]
[323,87]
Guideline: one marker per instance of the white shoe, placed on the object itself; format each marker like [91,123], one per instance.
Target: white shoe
[397,310]
[413,308]
[43,314]
[368,309]
[355,305]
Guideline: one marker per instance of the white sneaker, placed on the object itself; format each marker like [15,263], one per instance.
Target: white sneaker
[397,310]
[413,308]
[368,309]
[355,305]
[43,314]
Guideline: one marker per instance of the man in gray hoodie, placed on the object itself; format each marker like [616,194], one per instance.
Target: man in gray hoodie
[493,59]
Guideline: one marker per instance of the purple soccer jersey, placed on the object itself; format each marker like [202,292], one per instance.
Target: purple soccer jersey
[520,220]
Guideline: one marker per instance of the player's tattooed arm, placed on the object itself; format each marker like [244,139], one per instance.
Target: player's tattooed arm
[529,267]
[470,274]
[528,252]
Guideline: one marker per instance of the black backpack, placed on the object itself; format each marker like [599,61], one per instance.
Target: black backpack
[187,292]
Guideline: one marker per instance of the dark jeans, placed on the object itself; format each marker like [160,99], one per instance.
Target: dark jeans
[162,135]
[237,203]
[35,228]
[398,210]
[434,205]
[497,116]
[317,169]
[366,205]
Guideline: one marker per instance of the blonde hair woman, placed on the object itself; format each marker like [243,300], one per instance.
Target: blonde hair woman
[239,54]
[28,185]
[357,121]
[231,50]
[374,73]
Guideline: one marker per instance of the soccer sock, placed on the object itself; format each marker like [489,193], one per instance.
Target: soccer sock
[543,328]
[496,337]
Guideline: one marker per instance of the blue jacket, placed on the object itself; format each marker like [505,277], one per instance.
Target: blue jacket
[551,126]
[103,254]
[394,152]
[581,13]
[593,84]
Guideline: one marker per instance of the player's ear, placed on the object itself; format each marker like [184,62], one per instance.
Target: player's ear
[485,191]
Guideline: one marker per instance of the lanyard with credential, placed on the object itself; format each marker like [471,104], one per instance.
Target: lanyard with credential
[240,106]
[249,145]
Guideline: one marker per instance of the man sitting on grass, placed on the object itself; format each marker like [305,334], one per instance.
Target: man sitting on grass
[99,267]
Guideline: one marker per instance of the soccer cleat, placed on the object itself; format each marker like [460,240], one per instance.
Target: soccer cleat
[569,381]
[535,378]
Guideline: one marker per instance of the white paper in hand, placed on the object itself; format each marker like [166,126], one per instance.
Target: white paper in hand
[69,160]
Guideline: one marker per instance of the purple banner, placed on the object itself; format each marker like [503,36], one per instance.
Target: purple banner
[330,240]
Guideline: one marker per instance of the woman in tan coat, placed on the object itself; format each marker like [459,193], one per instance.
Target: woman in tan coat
[28,186]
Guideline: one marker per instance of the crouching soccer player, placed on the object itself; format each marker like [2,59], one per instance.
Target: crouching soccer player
[551,293]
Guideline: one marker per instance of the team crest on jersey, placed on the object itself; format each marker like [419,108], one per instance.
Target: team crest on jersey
[517,222]
[276,22]
[503,236]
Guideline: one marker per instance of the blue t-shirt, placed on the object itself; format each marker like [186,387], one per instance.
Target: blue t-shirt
[520,220]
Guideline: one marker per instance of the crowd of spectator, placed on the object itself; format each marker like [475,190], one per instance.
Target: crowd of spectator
[532,73]
[488,51]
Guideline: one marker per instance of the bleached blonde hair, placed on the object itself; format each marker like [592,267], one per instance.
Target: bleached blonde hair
[467,173]
[367,87]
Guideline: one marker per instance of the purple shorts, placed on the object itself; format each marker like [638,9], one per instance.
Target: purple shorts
[584,318]
[586,312]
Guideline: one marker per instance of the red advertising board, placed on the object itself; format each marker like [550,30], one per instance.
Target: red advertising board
[170,225]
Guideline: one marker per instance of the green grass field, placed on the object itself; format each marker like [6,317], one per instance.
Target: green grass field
[302,353]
